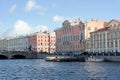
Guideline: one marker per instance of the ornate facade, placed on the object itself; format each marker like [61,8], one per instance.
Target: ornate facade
[74,36]
[70,37]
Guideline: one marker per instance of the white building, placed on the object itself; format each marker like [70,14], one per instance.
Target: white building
[106,39]
[18,43]
[14,44]
[3,44]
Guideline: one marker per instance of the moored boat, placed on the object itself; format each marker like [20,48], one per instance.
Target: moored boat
[93,59]
[63,59]
[56,58]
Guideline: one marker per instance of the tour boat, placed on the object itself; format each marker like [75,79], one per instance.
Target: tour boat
[54,58]
[62,58]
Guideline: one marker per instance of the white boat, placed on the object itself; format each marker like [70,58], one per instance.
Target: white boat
[51,58]
[93,59]
[55,58]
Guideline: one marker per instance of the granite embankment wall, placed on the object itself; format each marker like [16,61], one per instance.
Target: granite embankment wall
[110,58]
[43,56]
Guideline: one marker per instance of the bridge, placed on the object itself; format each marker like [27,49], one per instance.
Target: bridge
[18,55]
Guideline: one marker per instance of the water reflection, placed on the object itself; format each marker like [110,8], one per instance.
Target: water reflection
[37,69]
[95,70]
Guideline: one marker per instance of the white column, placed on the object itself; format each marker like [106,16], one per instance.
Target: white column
[93,44]
[99,42]
[106,42]
[113,45]
[118,45]
[102,40]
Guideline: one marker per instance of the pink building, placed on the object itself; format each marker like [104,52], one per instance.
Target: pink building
[33,42]
[43,42]
[70,37]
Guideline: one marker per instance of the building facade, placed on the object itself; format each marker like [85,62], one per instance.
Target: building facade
[3,44]
[93,25]
[42,42]
[14,44]
[39,42]
[70,37]
[106,39]
[73,36]
[17,43]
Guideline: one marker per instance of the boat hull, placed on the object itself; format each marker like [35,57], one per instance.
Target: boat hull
[94,59]
[63,59]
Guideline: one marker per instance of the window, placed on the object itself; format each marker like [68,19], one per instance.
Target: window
[111,44]
[95,28]
[108,44]
[116,43]
[89,28]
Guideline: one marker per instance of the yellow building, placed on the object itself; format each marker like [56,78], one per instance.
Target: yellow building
[91,26]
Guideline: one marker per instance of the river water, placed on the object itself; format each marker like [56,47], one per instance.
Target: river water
[38,69]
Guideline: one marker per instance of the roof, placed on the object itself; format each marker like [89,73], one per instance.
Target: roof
[106,25]
[101,29]
[117,20]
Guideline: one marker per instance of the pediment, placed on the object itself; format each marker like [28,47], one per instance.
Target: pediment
[113,23]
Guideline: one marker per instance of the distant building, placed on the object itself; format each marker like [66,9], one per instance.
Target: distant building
[91,26]
[70,37]
[106,39]
[39,42]
[3,44]
[42,42]
[17,43]
[14,44]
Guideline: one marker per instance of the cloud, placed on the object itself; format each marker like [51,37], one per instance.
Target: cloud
[23,28]
[41,28]
[20,28]
[32,5]
[12,8]
[58,18]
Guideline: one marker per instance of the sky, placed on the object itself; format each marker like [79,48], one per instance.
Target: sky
[21,17]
